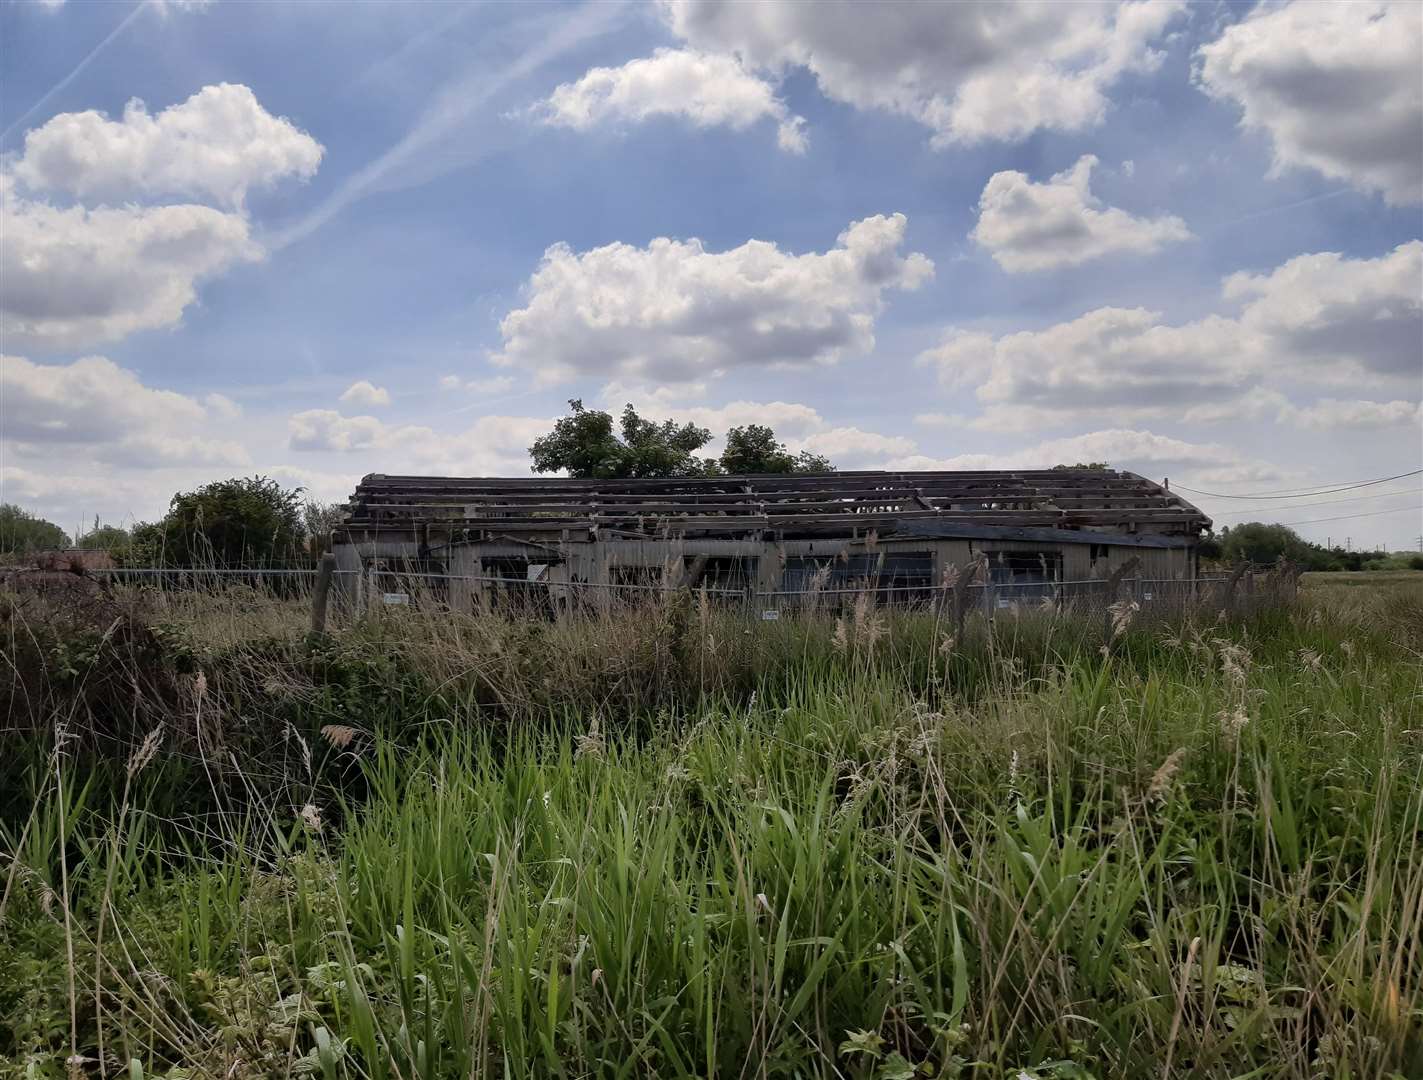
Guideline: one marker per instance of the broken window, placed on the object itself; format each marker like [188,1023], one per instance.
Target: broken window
[1024,576]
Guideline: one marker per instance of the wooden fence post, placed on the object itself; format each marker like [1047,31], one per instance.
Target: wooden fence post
[321,592]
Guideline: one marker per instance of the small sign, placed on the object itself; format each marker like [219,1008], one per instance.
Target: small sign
[770,616]
[1004,602]
[396,599]
[1146,596]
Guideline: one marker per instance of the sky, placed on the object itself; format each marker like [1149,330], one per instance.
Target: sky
[315,240]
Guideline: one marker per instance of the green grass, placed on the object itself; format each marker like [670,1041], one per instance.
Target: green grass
[1195,852]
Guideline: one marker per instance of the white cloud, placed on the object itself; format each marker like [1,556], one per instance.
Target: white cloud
[1122,448]
[1030,226]
[493,445]
[93,403]
[222,406]
[364,392]
[1339,316]
[1328,414]
[216,145]
[967,71]
[787,419]
[493,384]
[705,89]
[673,311]
[1322,318]
[76,277]
[1336,86]
[852,447]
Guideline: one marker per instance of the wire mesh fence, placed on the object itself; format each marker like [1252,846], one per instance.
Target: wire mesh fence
[358,592]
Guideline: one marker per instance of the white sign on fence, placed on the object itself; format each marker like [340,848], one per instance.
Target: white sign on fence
[396,599]
[770,616]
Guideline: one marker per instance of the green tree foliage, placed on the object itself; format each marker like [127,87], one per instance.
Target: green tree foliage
[754,449]
[245,521]
[22,532]
[1100,466]
[586,445]
[1259,543]
[589,444]
[111,538]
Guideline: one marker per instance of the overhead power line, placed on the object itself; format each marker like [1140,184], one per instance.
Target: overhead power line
[1348,517]
[1300,494]
[1322,502]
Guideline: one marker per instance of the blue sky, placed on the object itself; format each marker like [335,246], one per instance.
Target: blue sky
[338,239]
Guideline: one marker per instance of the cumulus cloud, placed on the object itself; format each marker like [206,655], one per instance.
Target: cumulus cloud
[1339,316]
[966,71]
[1335,87]
[79,275]
[1327,414]
[76,277]
[364,392]
[704,89]
[215,146]
[94,403]
[1124,448]
[1030,226]
[673,311]
[493,445]
[1316,318]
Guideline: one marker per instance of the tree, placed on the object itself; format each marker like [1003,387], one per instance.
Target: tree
[754,449]
[585,444]
[245,521]
[1099,466]
[319,518]
[22,532]
[1261,544]
[111,538]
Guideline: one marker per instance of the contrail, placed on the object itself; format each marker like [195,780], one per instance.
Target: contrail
[57,87]
[454,106]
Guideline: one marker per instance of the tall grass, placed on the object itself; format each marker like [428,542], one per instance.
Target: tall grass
[678,844]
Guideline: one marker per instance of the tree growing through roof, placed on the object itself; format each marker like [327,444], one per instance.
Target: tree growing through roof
[755,449]
[22,532]
[589,444]
[244,521]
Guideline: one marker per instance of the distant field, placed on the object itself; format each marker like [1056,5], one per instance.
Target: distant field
[1372,578]
[675,842]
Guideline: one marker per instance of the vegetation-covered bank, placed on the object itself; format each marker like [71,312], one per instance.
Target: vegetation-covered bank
[865,849]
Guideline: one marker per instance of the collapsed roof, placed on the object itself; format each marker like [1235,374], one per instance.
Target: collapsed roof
[1033,504]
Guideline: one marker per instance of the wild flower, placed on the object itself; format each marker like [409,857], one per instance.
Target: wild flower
[338,735]
[946,645]
[589,744]
[840,640]
[200,685]
[140,758]
[1165,776]
[1122,613]
[1234,662]
[1233,721]
[311,817]
[1311,659]
[950,578]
